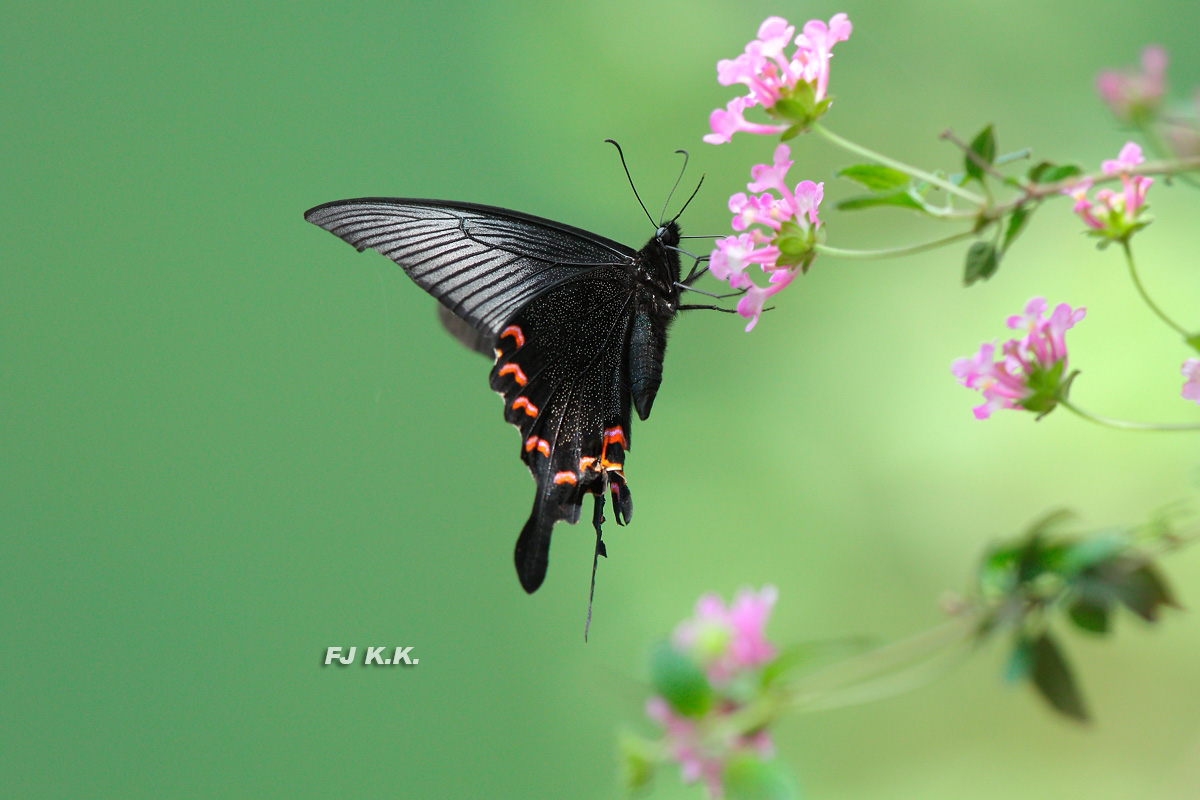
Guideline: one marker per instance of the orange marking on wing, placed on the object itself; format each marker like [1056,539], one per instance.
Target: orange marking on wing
[523,402]
[586,463]
[515,371]
[611,465]
[542,445]
[515,332]
[564,477]
[615,435]
[498,354]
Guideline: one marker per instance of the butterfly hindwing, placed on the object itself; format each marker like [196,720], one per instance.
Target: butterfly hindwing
[561,368]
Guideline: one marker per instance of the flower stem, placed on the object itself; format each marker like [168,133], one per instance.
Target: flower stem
[919,174]
[1142,291]
[894,251]
[892,669]
[1124,425]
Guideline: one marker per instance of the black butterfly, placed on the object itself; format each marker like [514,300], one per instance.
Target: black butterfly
[577,325]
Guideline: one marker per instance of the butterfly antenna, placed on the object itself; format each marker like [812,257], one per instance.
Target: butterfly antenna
[685,205]
[631,186]
[671,194]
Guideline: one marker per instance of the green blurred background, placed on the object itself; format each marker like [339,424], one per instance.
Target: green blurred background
[230,442]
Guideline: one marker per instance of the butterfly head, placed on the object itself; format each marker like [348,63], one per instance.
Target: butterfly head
[667,234]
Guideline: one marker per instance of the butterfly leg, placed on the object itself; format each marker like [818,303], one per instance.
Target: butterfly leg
[597,521]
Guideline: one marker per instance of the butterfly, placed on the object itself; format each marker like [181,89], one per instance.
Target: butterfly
[576,324]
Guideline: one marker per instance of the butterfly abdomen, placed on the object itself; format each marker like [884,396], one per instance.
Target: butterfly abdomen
[647,346]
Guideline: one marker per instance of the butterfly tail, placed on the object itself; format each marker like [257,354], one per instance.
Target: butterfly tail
[532,555]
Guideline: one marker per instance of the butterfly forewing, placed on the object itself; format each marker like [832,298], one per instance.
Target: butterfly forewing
[483,263]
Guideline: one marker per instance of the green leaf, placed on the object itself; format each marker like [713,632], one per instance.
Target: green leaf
[1094,550]
[1016,224]
[1020,661]
[790,109]
[984,146]
[680,682]
[902,199]
[1089,615]
[1194,342]
[1142,590]
[874,176]
[792,132]
[1047,172]
[982,261]
[751,778]
[1061,173]
[637,758]
[1052,678]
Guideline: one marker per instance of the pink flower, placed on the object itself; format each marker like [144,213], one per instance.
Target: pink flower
[702,758]
[1133,94]
[726,641]
[1031,372]
[1191,371]
[779,234]
[1114,216]
[770,76]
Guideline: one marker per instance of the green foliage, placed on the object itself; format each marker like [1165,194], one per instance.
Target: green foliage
[750,778]
[982,262]
[1016,223]
[1023,583]
[903,199]
[1047,172]
[679,681]
[1052,678]
[875,177]
[983,146]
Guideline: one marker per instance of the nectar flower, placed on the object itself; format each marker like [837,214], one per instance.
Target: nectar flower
[1114,216]
[780,232]
[725,641]
[705,675]
[1031,371]
[792,89]
[1191,371]
[700,758]
[1135,95]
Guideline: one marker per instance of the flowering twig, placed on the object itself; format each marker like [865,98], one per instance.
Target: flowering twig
[1146,297]
[1125,425]
[893,252]
[907,169]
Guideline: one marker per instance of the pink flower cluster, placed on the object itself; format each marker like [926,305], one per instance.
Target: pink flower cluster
[1191,371]
[1129,93]
[783,241]
[1030,370]
[700,759]
[771,75]
[1114,215]
[726,642]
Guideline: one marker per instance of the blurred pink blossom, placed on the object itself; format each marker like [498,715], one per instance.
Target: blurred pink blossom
[1030,370]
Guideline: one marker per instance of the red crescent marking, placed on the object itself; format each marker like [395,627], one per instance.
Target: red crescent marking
[522,402]
[615,435]
[515,332]
[564,477]
[515,371]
